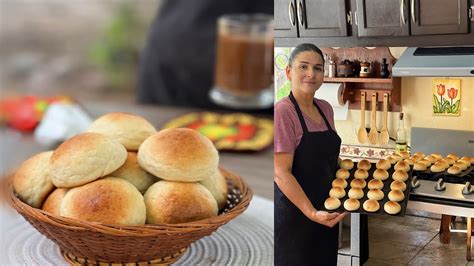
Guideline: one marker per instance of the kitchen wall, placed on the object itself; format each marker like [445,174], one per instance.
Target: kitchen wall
[416,104]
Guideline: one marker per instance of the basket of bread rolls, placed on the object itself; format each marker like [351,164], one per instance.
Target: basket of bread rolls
[123,193]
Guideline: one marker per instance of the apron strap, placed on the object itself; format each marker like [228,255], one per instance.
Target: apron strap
[298,111]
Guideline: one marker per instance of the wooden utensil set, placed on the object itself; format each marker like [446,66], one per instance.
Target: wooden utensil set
[373,135]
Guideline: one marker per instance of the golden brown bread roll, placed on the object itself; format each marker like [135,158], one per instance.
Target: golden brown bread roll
[375,184]
[32,181]
[179,154]
[453,156]
[420,154]
[355,193]
[133,173]
[178,202]
[361,173]
[396,195]
[392,207]
[392,159]
[400,175]
[409,161]
[432,159]
[425,162]
[85,158]
[337,192]
[358,183]
[109,200]
[416,158]
[347,164]
[402,166]
[342,173]
[371,205]
[52,204]
[419,167]
[461,164]
[443,163]
[437,167]
[380,174]
[404,154]
[351,204]
[437,156]
[332,203]
[128,129]
[217,185]
[339,182]
[450,161]
[383,164]
[398,185]
[375,194]
[454,170]
[364,164]
[466,160]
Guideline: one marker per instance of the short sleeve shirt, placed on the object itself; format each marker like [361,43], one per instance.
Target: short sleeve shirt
[288,129]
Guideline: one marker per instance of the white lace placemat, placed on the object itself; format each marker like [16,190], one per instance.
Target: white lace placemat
[246,240]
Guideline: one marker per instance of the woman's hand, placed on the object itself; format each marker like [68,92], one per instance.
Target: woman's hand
[326,218]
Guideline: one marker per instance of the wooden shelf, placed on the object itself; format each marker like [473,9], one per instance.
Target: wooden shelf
[359,80]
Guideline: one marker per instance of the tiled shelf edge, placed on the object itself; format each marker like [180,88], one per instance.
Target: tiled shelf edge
[359,152]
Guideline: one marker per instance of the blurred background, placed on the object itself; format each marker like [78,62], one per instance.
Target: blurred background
[83,49]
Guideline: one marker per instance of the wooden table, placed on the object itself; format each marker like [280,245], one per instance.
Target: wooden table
[255,168]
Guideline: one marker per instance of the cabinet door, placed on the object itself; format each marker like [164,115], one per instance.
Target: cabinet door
[322,18]
[438,17]
[285,20]
[382,18]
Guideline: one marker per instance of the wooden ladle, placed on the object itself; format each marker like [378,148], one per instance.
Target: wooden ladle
[362,133]
[373,134]
[384,136]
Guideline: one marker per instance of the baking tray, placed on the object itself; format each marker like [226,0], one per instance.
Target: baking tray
[461,178]
[386,189]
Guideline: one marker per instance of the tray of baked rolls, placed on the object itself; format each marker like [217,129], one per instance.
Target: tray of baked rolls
[371,188]
[452,168]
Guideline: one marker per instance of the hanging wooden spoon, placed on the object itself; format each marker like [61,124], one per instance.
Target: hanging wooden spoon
[362,132]
[373,134]
[384,136]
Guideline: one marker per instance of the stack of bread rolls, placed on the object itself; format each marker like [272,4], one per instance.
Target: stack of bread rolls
[124,172]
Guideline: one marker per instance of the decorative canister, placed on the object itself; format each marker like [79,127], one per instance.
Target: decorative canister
[364,70]
[346,69]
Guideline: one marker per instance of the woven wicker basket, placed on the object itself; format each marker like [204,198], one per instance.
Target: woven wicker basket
[92,243]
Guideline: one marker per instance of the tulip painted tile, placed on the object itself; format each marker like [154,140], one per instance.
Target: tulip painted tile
[447,97]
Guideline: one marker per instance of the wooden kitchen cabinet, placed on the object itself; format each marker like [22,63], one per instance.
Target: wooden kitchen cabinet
[382,18]
[285,20]
[439,17]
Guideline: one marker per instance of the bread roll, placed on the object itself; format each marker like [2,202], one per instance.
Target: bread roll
[398,185]
[425,162]
[128,129]
[375,194]
[346,164]
[400,175]
[402,166]
[404,154]
[371,205]
[217,185]
[351,204]
[416,158]
[361,173]
[437,167]
[396,195]
[355,193]
[392,159]
[332,203]
[461,164]
[109,200]
[437,156]
[380,174]
[133,173]
[432,159]
[342,173]
[450,161]
[420,154]
[179,154]
[337,192]
[392,207]
[375,184]
[364,164]
[339,182]
[32,181]
[85,158]
[453,156]
[419,167]
[454,170]
[466,160]
[178,202]
[443,163]
[53,202]
[409,161]
[358,183]
[383,164]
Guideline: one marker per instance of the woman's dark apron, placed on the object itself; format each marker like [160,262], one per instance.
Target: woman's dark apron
[298,240]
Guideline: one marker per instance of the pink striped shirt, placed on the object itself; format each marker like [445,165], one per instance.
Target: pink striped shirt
[288,129]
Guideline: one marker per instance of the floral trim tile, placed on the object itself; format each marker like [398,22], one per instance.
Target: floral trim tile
[364,152]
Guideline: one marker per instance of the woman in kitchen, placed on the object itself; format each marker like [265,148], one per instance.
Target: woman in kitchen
[306,153]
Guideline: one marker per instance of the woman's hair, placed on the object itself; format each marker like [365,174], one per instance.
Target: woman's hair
[304,47]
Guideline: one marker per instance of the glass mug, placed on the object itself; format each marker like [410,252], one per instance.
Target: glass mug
[243,74]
